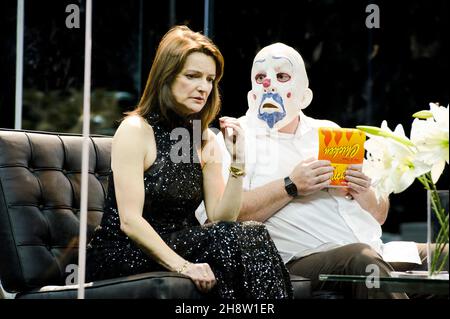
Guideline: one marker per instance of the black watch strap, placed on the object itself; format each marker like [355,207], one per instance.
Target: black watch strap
[290,187]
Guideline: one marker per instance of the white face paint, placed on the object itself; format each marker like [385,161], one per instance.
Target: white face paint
[279,86]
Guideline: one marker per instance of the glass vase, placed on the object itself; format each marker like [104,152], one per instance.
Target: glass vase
[437,232]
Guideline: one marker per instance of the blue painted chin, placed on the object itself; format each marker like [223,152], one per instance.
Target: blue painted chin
[271,118]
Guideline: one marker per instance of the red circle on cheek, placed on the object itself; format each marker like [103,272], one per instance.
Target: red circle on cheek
[289,94]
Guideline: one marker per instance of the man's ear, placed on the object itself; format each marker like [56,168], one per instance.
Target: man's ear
[307,98]
[251,100]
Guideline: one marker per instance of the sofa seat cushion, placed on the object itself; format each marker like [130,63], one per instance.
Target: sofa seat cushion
[151,285]
[301,286]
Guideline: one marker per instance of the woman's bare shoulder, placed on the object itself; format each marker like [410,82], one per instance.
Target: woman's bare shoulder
[133,131]
[134,138]
[134,126]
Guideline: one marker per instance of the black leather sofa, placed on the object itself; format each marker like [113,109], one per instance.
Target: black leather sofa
[40,175]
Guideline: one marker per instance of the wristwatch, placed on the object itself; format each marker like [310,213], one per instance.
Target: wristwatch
[290,187]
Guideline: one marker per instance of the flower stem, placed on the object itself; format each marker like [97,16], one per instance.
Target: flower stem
[437,264]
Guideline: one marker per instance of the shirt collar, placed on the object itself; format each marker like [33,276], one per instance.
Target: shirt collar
[254,125]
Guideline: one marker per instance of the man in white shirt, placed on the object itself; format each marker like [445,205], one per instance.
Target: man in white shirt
[317,229]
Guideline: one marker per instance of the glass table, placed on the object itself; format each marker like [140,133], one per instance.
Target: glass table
[407,284]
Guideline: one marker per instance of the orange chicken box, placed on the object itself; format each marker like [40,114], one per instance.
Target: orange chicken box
[341,146]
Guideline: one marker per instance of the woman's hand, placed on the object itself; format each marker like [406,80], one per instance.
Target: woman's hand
[201,275]
[233,135]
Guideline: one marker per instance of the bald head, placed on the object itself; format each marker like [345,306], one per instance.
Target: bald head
[279,85]
[283,50]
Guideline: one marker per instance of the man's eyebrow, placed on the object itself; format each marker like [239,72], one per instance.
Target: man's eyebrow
[259,61]
[282,57]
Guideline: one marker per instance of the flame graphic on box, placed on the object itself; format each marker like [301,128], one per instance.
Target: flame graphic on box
[341,146]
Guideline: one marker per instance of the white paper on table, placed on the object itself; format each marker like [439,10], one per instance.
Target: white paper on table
[401,251]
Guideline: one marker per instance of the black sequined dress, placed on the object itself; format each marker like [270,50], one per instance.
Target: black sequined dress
[242,256]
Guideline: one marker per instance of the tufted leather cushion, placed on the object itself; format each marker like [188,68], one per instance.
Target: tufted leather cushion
[40,175]
[40,178]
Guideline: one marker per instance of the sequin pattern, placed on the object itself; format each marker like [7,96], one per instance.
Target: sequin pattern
[242,256]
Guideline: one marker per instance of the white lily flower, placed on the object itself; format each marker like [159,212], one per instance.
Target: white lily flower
[378,165]
[392,165]
[431,136]
[393,162]
[440,114]
[406,167]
